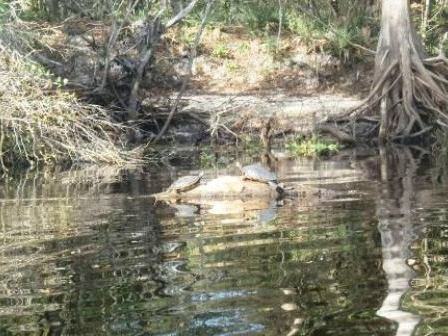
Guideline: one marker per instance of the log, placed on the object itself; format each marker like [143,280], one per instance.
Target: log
[223,187]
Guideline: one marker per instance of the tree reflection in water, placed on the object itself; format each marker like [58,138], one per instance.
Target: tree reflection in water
[83,260]
[396,197]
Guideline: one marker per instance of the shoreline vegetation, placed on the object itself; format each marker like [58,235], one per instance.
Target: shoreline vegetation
[100,81]
[42,123]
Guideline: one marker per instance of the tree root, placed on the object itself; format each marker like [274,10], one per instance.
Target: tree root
[340,135]
[409,91]
[412,97]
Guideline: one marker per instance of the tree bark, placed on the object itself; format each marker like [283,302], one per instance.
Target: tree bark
[409,93]
[425,18]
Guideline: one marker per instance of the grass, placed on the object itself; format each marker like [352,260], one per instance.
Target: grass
[319,29]
[313,146]
[221,51]
[251,144]
[186,36]
[3,10]
[254,15]
[304,28]
[232,67]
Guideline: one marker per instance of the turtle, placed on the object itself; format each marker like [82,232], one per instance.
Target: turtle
[185,183]
[256,172]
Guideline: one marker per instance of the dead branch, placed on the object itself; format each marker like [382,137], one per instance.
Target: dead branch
[116,29]
[155,34]
[186,80]
[157,30]
[181,15]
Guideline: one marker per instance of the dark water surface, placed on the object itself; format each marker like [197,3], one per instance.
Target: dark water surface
[363,251]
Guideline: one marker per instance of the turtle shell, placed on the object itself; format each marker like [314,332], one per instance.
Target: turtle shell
[185,182]
[259,173]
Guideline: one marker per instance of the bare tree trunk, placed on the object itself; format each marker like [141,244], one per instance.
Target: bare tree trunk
[410,92]
[426,15]
[280,22]
[53,9]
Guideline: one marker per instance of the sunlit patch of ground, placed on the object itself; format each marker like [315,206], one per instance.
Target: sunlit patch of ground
[232,60]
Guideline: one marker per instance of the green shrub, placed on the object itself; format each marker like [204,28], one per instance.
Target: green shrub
[221,51]
[303,27]
[313,146]
[256,15]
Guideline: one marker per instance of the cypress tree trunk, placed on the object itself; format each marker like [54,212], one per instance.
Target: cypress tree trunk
[409,90]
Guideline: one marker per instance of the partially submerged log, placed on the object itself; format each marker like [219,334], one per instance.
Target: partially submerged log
[221,188]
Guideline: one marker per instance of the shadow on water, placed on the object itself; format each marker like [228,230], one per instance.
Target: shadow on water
[360,252]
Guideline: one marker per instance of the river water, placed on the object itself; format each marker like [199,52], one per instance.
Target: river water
[363,250]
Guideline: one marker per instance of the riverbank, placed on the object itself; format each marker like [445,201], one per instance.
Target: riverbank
[238,82]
